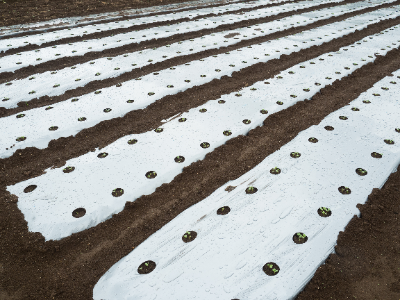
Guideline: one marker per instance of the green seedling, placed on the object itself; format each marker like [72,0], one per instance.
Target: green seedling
[38,59]
[217,70]
[222,209]
[82,119]
[32,92]
[338,73]
[324,210]
[279,77]
[68,169]
[389,141]
[384,88]
[279,102]
[202,75]
[158,130]
[231,65]
[97,74]
[20,116]
[343,118]
[205,145]
[250,188]
[291,72]
[150,93]
[296,154]
[56,85]
[263,111]
[246,121]
[301,236]
[306,90]
[293,96]
[328,78]
[253,89]
[187,234]
[187,80]
[151,173]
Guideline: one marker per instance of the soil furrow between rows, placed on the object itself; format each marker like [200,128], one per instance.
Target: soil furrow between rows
[155,43]
[53,269]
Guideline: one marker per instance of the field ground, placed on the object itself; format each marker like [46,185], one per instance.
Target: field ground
[366,262]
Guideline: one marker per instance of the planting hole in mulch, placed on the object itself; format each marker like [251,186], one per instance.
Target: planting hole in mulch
[20,139]
[151,175]
[227,132]
[313,140]
[366,101]
[397,130]
[189,236]
[376,155]
[324,212]
[53,128]
[118,85]
[48,108]
[117,192]
[344,190]
[203,110]
[79,212]
[361,172]
[317,84]
[204,145]
[221,101]
[275,171]
[130,101]
[329,128]
[251,190]
[146,267]
[20,116]
[223,210]
[246,121]
[158,130]
[300,238]
[264,111]
[343,118]
[179,159]
[68,169]
[133,141]
[74,100]
[182,120]
[82,119]
[355,109]
[102,155]
[295,154]
[271,269]
[279,102]
[389,142]
[230,188]
[30,188]
[106,110]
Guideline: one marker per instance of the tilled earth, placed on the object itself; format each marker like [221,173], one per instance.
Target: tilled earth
[366,264]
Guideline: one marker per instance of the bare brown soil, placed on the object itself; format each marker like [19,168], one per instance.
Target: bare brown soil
[366,264]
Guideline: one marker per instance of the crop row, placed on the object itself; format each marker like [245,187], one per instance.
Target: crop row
[14,62]
[266,240]
[83,30]
[101,182]
[49,83]
[38,126]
